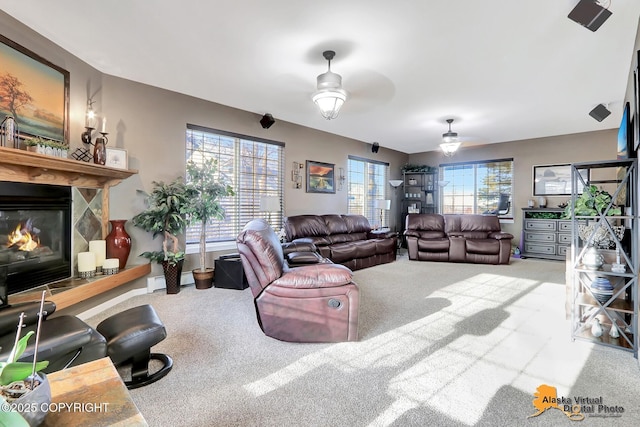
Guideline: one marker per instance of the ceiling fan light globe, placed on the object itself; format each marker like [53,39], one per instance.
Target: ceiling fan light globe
[449,148]
[329,101]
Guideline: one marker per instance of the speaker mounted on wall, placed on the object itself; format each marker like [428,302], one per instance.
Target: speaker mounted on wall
[375,147]
[589,14]
[600,112]
[267,120]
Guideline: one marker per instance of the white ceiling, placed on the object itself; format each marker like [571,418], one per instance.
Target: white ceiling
[503,69]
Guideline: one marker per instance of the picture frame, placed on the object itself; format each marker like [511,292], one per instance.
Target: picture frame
[555,180]
[625,145]
[117,158]
[41,105]
[635,116]
[320,177]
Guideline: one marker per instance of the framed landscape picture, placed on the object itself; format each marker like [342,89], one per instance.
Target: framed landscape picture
[116,158]
[320,177]
[34,92]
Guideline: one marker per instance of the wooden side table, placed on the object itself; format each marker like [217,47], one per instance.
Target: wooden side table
[91,394]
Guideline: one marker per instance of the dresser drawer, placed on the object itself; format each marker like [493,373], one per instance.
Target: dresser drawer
[564,239]
[564,226]
[562,250]
[540,248]
[532,236]
[539,225]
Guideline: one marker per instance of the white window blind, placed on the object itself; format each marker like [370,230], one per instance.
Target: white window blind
[367,182]
[253,167]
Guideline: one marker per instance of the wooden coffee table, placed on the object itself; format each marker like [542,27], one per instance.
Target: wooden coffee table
[91,394]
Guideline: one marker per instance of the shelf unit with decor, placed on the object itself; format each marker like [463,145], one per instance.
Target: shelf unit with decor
[420,193]
[602,293]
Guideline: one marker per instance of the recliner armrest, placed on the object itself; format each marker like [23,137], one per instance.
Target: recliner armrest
[381,234]
[499,235]
[299,245]
[9,316]
[315,276]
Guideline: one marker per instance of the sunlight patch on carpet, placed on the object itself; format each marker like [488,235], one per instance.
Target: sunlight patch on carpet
[499,329]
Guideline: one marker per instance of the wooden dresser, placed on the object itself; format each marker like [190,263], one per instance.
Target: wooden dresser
[545,234]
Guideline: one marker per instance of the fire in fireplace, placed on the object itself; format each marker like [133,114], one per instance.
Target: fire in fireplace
[35,236]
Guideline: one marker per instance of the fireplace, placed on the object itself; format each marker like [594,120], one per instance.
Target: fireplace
[35,236]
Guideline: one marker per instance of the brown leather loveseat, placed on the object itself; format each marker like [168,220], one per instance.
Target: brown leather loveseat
[457,238]
[344,239]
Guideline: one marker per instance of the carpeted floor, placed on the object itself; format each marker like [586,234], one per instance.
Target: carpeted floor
[440,345]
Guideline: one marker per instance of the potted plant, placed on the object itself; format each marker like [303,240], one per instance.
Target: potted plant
[594,202]
[205,191]
[23,386]
[166,216]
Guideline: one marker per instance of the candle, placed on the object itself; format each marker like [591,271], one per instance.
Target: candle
[111,263]
[104,125]
[99,248]
[618,255]
[86,261]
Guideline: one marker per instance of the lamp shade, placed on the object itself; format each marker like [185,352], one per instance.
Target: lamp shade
[395,183]
[383,204]
[269,204]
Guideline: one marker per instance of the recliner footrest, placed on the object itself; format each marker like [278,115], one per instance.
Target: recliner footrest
[130,336]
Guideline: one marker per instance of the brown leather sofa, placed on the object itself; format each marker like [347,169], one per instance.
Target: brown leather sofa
[344,239]
[315,302]
[457,238]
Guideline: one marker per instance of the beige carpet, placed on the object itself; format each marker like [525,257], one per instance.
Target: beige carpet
[440,345]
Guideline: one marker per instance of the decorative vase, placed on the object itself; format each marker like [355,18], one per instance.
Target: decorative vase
[100,152]
[172,275]
[601,289]
[592,259]
[542,202]
[203,279]
[596,328]
[118,242]
[613,332]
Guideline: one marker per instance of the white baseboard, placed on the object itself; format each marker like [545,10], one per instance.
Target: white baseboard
[108,304]
[153,284]
[157,282]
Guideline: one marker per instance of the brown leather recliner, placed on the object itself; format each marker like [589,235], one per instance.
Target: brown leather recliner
[310,303]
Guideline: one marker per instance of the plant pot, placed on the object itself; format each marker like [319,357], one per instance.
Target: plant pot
[33,405]
[203,278]
[172,275]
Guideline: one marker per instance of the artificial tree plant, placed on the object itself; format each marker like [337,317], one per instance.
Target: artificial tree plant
[166,215]
[205,189]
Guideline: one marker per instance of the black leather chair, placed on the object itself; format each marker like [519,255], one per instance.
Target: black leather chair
[64,341]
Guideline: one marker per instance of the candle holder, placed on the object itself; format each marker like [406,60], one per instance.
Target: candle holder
[87,274]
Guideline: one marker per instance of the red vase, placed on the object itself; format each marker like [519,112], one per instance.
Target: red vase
[118,242]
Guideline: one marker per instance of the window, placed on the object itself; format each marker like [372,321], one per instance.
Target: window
[476,187]
[367,183]
[253,167]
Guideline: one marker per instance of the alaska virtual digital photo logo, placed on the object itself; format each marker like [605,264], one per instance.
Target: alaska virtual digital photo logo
[575,408]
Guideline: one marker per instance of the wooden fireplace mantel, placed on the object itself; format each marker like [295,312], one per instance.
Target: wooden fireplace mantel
[26,166]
